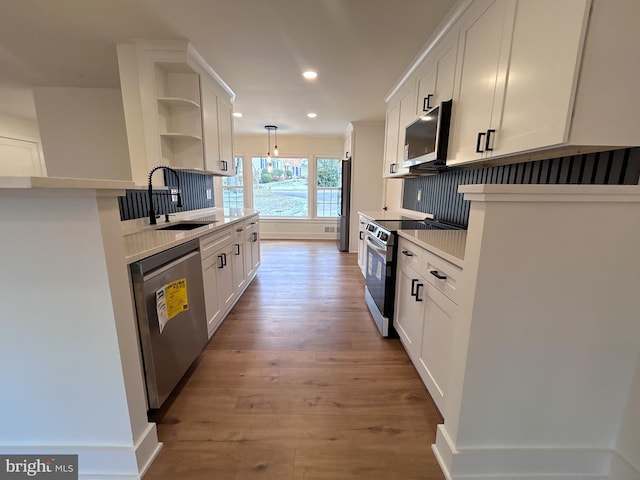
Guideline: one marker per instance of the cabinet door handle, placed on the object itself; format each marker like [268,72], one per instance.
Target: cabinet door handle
[488,146]
[255,237]
[407,253]
[418,299]
[392,168]
[221,264]
[479,141]
[224,259]
[361,232]
[237,249]
[436,274]
[224,165]
[240,229]
[414,290]
[426,103]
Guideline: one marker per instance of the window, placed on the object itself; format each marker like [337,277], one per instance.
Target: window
[233,188]
[280,186]
[329,182]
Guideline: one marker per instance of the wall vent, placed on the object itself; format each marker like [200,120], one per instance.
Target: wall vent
[329,229]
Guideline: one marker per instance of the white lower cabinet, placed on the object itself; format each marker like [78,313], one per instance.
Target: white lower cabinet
[252,246]
[239,258]
[230,258]
[362,248]
[425,317]
[215,276]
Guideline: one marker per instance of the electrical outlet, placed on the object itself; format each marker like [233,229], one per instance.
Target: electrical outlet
[208,194]
[420,195]
[174,195]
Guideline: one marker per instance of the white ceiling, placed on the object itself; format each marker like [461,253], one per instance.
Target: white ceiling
[359,48]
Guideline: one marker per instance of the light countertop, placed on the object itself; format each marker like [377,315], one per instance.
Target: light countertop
[142,240]
[448,244]
[393,215]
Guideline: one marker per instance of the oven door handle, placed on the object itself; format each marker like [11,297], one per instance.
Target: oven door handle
[381,251]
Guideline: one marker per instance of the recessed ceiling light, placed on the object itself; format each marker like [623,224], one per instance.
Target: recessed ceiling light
[309,74]
[312,115]
[237,114]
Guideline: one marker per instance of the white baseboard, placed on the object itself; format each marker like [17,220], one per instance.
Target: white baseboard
[147,448]
[521,463]
[297,236]
[100,462]
[621,469]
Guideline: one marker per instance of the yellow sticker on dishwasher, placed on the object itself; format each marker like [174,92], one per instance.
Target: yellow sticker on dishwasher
[171,299]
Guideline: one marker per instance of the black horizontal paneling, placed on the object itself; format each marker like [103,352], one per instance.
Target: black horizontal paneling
[440,192]
[193,186]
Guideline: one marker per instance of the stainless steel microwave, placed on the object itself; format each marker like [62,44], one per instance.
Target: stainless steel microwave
[427,139]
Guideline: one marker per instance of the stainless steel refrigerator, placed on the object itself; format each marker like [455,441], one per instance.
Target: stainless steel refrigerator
[345,206]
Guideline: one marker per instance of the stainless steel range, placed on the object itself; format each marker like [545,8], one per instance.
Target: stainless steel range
[382,255]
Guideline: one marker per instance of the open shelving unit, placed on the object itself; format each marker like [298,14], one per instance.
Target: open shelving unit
[177,91]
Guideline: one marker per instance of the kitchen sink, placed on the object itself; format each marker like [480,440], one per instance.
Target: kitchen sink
[185,225]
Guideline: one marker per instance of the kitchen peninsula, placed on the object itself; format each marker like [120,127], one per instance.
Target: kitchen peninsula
[72,372]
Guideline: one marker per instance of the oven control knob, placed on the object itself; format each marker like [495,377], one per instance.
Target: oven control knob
[383,236]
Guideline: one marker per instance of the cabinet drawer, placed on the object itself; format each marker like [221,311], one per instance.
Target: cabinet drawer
[252,224]
[441,274]
[210,244]
[410,254]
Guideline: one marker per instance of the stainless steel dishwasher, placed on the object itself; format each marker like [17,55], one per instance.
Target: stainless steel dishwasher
[172,324]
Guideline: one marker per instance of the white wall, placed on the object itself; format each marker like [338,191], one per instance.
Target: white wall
[367,184]
[72,379]
[83,132]
[628,443]
[307,146]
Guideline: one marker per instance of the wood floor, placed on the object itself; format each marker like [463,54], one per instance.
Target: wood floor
[298,384]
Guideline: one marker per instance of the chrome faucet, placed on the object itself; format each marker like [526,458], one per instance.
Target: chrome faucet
[152,213]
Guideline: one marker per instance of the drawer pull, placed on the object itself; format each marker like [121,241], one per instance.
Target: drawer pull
[407,253]
[489,144]
[436,274]
[481,135]
[418,299]
[414,290]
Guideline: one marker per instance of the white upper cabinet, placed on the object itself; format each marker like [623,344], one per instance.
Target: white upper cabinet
[543,72]
[177,110]
[518,64]
[532,79]
[217,124]
[400,113]
[436,73]
[482,63]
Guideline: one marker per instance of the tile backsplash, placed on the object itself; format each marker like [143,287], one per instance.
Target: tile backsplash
[440,192]
[194,186]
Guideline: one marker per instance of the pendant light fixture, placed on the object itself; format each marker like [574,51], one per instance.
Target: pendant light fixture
[275,149]
[273,128]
